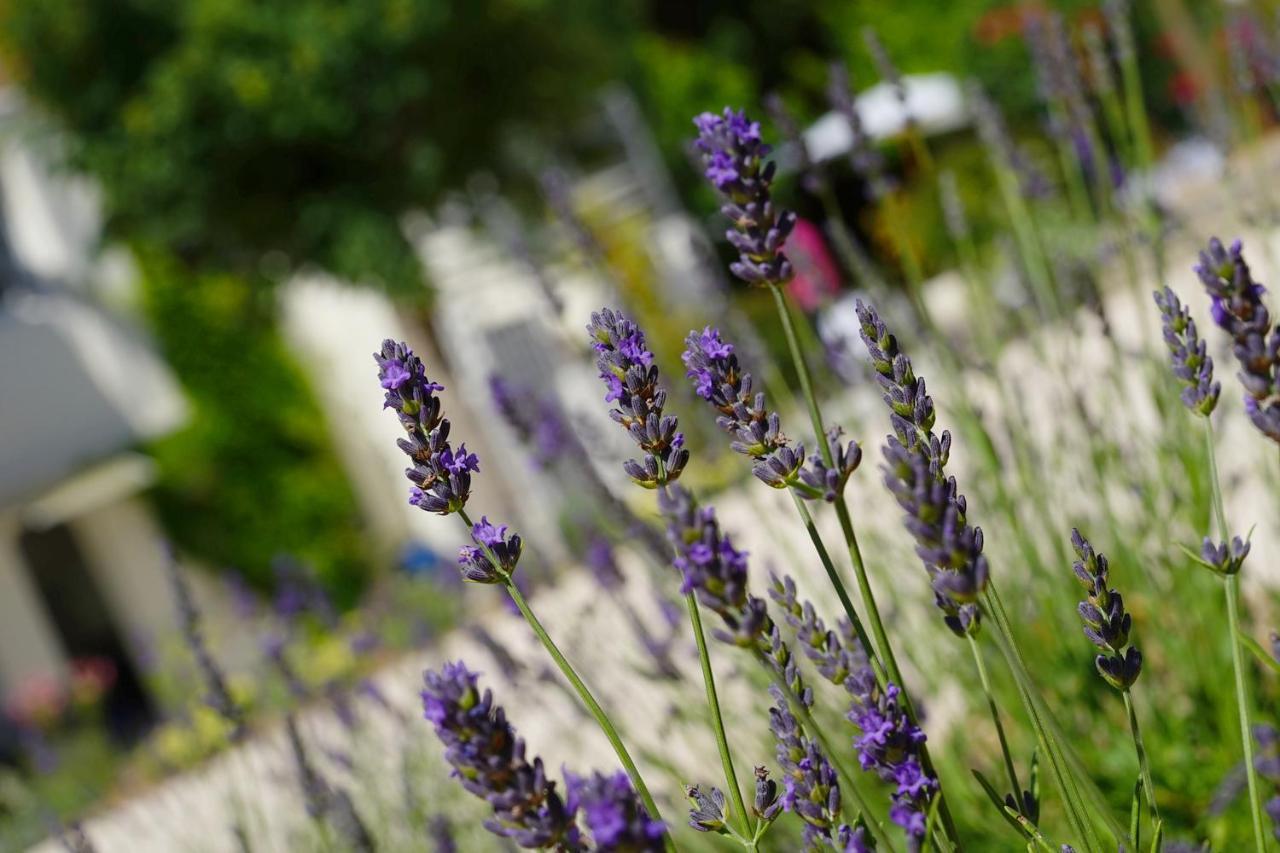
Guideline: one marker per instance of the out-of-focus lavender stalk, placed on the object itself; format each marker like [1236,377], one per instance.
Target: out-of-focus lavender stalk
[1237,307]
[323,802]
[217,696]
[889,73]
[442,483]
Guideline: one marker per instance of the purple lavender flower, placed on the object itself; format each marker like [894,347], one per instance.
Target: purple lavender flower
[601,560]
[613,813]
[1058,79]
[440,831]
[1191,364]
[1237,307]
[810,786]
[915,471]
[719,379]
[889,743]
[733,155]
[538,423]
[707,812]
[1106,623]
[492,540]
[441,477]
[489,761]
[626,365]
[767,802]
[1224,558]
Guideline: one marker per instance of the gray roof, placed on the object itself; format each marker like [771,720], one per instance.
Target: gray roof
[76,387]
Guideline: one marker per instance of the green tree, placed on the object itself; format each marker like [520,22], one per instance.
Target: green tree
[297,132]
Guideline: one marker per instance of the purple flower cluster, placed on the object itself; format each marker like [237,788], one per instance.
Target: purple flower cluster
[733,154]
[538,422]
[712,568]
[493,541]
[915,471]
[1191,363]
[1224,558]
[627,368]
[488,759]
[613,814]
[889,742]
[890,745]
[1237,307]
[1106,623]
[441,476]
[811,788]
[719,379]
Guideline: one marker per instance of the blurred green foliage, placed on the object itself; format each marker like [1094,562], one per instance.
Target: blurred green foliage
[233,131]
[253,475]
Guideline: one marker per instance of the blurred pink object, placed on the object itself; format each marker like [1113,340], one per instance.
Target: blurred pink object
[91,677]
[817,277]
[37,701]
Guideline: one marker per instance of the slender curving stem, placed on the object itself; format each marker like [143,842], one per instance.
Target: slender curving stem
[1143,766]
[1232,591]
[855,553]
[580,687]
[995,718]
[717,722]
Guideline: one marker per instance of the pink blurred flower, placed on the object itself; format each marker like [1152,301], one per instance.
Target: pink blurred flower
[817,277]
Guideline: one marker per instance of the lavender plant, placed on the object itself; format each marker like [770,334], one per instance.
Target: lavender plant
[442,482]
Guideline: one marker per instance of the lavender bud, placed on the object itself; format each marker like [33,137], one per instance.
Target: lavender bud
[627,368]
[476,563]
[830,482]
[1187,354]
[733,156]
[1106,623]
[613,814]
[1224,558]
[812,790]
[1238,308]
[707,812]
[441,475]
[767,803]
[489,761]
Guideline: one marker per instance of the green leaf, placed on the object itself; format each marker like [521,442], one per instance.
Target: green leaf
[1259,651]
[1157,837]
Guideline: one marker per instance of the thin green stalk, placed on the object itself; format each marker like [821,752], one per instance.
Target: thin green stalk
[1047,742]
[855,554]
[1232,590]
[995,718]
[717,722]
[1143,766]
[598,713]
[843,595]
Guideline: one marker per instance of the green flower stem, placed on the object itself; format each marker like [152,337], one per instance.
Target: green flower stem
[855,554]
[830,568]
[601,718]
[1232,590]
[1047,742]
[801,711]
[717,722]
[1141,751]
[995,718]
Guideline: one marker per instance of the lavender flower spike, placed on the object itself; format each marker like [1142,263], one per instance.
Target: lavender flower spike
[488,759]
[613,814]
[1191,364]
[733,154]
[811,787]
[915,471]
[627,368]
[1237,307]
[440,475]
[1106,623]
